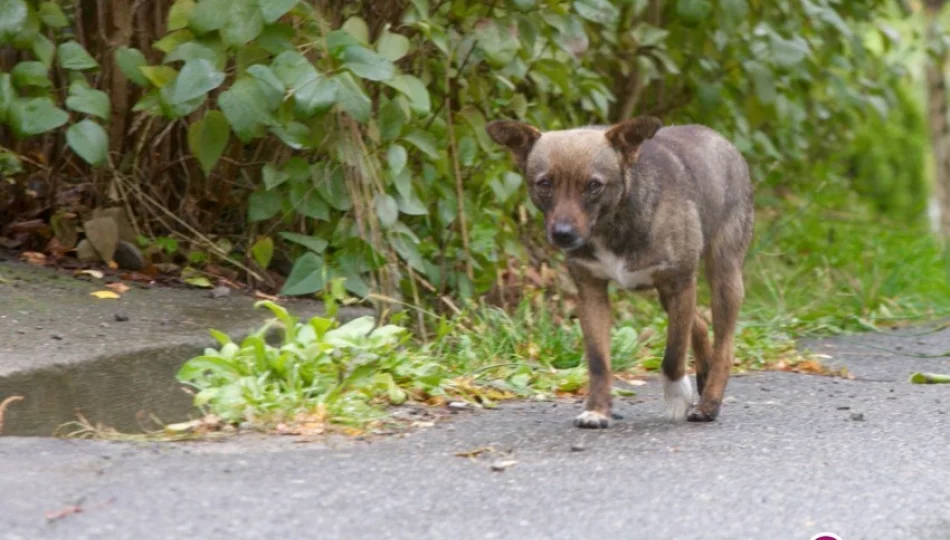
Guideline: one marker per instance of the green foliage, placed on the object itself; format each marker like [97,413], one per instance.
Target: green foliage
[29,103]
[887,160]
[383,124]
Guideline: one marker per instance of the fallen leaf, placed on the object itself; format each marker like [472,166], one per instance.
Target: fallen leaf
[501,465]
[105,295]
[68,511]
[97,274]
[34,257]
[199,281]
[103,235]
[475,452]
[119,287]
[263,296]
[3,407]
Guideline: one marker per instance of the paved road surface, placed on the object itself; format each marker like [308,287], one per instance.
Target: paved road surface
[786,461]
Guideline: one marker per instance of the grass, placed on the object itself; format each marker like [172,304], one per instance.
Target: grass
[813,271]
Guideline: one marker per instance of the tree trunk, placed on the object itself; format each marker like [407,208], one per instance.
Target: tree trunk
[937,113]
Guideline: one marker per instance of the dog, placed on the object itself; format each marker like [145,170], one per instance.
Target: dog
[642,205]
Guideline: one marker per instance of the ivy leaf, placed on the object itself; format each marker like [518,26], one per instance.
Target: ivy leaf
[391,120]
[351,98]
[72,55]
[43,49]
[263,251]
[207,139]
[270,85]
[171,41]
[52,15]
[244,105]
[129,61]
[789,52]
[366,64]
[180,13]
[272,176]
[13,15]
[307,202]
[312,91]
[209,15]
[317,245]
[262,205]
[397,157]
[159,76]
[294,135]
[197,78]
[392,46]
[89,141]
[387,210]
[306,277]
[244,23]
[275,9]
[27,74]
[192,50]
[415,90]
[424,141]
[88,100]
[408,249]
[332,187]
[412,205]
[32,116]
[598,11]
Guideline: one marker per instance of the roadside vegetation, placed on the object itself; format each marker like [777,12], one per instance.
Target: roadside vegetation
[336,149]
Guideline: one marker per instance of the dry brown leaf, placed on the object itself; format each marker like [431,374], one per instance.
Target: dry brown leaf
[103,235]
[68,511]
[475,452]
[34,257]
[97,274]
[118,287]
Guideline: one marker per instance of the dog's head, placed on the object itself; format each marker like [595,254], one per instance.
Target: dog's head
[574,176]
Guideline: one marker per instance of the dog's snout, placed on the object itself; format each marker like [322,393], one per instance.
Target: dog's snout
[564,234]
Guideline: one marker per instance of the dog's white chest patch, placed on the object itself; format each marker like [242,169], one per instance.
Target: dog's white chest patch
[608,265]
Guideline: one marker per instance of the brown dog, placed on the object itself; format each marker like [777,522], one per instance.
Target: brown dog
[641,205]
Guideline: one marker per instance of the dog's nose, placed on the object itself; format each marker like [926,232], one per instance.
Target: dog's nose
[564,234]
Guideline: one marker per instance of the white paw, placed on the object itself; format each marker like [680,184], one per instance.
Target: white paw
[592,420]
[679,398]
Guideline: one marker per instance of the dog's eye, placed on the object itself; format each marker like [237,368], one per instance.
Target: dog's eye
[543,184]
[594,186]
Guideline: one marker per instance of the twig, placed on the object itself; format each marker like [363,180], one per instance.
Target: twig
[3,407]
[459,190]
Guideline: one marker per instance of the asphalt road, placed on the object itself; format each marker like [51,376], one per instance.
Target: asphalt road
[793,455]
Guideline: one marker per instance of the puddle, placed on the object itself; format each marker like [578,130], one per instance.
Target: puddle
[118,392]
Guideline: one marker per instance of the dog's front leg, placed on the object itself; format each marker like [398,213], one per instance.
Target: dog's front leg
[594,314]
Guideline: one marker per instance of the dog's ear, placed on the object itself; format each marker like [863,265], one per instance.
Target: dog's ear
[517,136]
[627,136]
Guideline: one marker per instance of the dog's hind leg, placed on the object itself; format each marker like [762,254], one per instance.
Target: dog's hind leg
[702,351]
[725,283]
[679,301]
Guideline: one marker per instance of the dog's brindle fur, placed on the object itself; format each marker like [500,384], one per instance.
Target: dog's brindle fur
[642,204]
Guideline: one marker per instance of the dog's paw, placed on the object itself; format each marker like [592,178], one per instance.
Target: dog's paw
[592,420]
[705,412]
[679,398]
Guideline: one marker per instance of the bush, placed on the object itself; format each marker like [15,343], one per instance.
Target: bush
[345,139]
